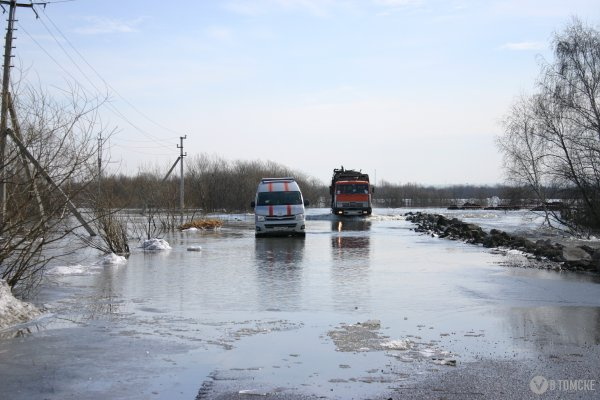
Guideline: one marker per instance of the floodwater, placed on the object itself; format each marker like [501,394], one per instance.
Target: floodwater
[360,308]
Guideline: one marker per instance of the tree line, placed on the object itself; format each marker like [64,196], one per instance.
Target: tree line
[214,184]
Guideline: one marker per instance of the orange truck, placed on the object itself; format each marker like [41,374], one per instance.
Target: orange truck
[350,192]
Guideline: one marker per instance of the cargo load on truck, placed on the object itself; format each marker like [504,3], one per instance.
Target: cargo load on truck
[350,192]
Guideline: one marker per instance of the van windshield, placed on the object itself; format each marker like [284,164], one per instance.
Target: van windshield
[278,198]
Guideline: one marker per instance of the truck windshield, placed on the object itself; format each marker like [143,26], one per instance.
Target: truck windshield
[278,198]
[352,188]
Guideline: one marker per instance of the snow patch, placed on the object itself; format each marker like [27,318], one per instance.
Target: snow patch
[402,344]
[384,217]
[156,244]
[253,392]
[69,270]
[192,229]
[113,259]
[12,310]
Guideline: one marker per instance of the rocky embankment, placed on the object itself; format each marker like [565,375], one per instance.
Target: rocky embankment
[575,258]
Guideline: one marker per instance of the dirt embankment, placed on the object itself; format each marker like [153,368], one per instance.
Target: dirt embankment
[574,258]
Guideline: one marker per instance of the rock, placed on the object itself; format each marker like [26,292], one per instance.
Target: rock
[574,258]
[578,265]
[571,253]
[446,361]
[590,250]
[596,260]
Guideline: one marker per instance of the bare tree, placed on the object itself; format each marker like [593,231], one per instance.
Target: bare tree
[526,150]
[59,133]
[553,137]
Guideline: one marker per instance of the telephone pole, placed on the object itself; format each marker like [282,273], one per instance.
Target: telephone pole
[14,133]
[3,114]
[8,46]
[100,169]
[181,190]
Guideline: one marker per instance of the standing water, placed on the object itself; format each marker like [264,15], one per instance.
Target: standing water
[360,308]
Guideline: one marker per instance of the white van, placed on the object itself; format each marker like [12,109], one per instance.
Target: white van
[279,208]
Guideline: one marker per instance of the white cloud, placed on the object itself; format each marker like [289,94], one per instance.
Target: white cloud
[101,25]
[524,46]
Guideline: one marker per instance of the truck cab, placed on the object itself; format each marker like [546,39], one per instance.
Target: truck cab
[350,193]
[279,208]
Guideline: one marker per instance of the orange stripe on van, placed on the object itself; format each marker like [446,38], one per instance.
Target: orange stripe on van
[270,186]
[286,187]
[270,211]
[289,209]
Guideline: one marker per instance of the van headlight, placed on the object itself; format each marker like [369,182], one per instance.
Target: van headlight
[260,218]
[299,216]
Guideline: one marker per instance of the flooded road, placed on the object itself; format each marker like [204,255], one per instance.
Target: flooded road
[358,309]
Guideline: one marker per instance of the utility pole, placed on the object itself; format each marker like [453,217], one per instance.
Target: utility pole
[14,133]
[3,115]
[181,155]
[100,170]
[8,46]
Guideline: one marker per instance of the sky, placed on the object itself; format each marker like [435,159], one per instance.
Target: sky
[405,90]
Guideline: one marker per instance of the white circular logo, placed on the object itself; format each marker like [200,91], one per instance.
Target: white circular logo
[538,384]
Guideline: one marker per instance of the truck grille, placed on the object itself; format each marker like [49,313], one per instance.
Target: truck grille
[351,204]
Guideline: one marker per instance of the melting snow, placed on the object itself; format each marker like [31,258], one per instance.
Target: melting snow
[69,270]
[12,310]
[113,259]
[402,344]
[156,244]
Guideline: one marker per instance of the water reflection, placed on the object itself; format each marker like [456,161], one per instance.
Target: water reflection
[279,272]
[545,327]
[350,250]
[105,300]
[351,234]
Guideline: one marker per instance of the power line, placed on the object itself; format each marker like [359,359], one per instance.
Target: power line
[90,81]
[110,106]
[102,79]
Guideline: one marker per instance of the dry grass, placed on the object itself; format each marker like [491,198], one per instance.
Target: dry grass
[202,224]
